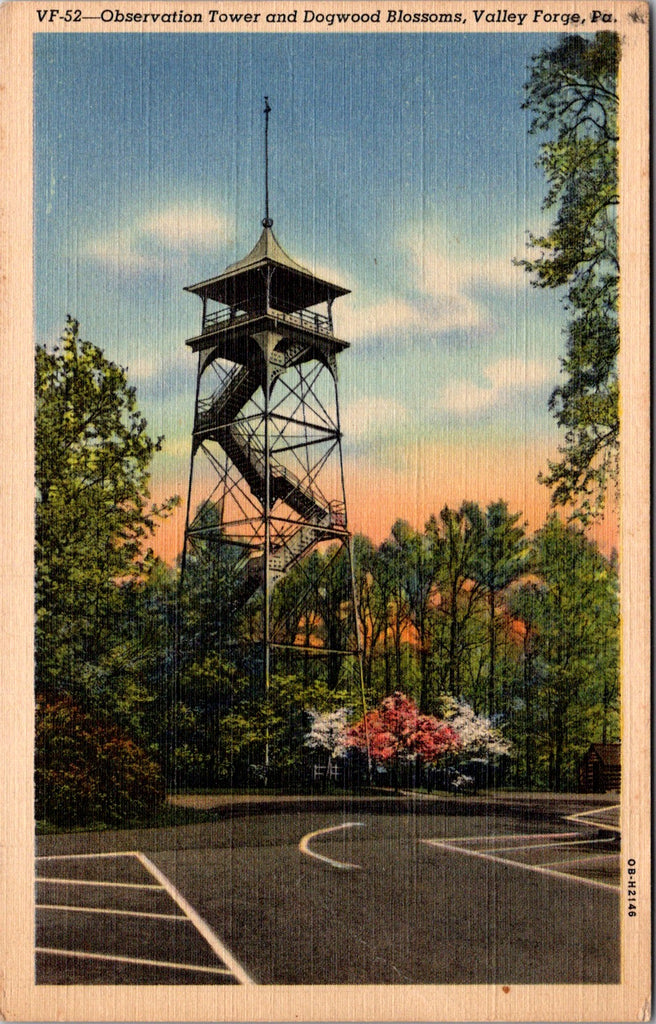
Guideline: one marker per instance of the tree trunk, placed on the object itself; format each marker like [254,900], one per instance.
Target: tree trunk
[493,651]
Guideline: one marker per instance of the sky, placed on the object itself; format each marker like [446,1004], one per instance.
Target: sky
[401,167]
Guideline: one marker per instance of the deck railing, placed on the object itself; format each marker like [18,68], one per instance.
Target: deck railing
[304,318]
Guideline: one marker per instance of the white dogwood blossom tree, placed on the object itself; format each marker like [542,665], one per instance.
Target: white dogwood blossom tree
[477,735]
[328,732]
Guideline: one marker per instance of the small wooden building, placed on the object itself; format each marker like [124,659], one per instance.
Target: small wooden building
[600,770]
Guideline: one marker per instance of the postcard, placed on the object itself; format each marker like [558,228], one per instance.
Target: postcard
[326,510]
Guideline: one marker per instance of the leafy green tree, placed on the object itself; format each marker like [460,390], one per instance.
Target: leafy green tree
[217,580]
[92,514]
[373,590]
[392,558]
[499,557]
[277,721]
[209,690]
[455,620]
[572,93]
[571,611]
[408,554]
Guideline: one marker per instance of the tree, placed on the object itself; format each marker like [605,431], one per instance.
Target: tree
[373,591]
[395,733]
[391,561]
[92,512]
[477,736]
[572,613]
[572,93]
[328,732]
[87,771]
[215,582]
[453,543]
[409,552]
[277,721]
[499,557]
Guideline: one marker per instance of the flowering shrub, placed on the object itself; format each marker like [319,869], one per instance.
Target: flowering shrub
[476,733]
[396,732]
[328,732]
[87,771]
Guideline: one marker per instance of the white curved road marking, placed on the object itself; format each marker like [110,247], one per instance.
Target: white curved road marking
[304,845]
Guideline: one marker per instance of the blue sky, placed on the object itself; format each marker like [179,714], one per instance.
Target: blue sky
[401,166]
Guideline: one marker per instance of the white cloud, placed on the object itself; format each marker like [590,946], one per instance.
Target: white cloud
[451,280]
[144,243]
[188,227]
[117,251]
[443,286]
[382,318]
[507,377]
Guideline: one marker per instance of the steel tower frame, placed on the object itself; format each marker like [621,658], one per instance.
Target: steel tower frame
[266,454]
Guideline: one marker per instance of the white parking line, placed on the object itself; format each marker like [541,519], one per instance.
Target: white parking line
[507,862]
[597,823]
[519,837]
[85,856]
[549,846]
[87,881]
[104,910]
[582,860]
[115,958]
[202,926]
[232,967]
[304,846]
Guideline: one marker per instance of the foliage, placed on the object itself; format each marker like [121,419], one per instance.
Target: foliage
[213,595]
[499,557]
[223,722]
[274,722]
[208,691]
[572,93]
[328,731]
[312,603]
[92,514]
[396,731]
[571,617]
[87,771]
[476,734]
[412,554]
[448,614]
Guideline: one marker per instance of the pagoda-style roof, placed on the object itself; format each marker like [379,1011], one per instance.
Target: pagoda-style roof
[243,284]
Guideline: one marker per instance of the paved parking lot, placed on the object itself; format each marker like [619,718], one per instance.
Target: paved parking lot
[349,895]
[113,918]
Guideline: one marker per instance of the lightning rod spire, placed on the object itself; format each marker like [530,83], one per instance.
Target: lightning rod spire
[267,222]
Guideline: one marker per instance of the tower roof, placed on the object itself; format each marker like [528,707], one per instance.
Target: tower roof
[242,282]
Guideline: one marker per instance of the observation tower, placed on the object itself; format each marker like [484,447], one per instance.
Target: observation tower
[266,481]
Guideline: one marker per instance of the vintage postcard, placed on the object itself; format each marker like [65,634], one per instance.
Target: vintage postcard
[326,510]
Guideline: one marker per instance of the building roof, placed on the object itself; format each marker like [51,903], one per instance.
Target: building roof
[267,248]
[609,753]
[242,280]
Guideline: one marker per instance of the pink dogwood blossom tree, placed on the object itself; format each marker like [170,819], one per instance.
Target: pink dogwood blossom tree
[395,733]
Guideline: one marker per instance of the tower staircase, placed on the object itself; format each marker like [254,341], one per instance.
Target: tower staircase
[218,420]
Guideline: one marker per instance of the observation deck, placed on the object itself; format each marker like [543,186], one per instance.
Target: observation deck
[267,290]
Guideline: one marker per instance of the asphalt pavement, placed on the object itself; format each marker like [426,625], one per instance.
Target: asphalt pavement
[339,892]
